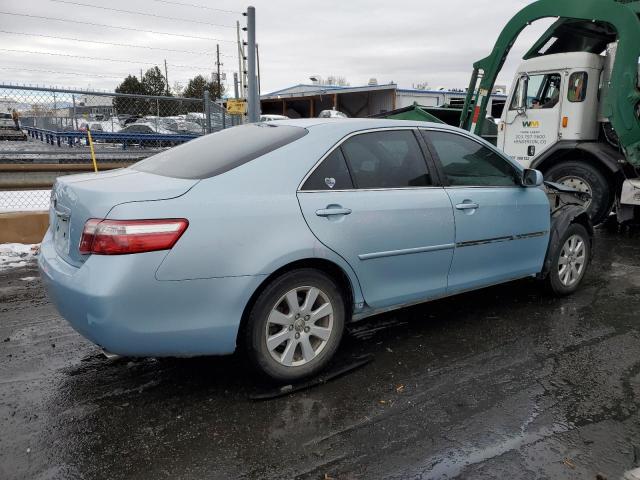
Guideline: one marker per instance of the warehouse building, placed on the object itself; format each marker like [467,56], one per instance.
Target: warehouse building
[307,101]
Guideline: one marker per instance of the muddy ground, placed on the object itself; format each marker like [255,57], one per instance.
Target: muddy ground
[506,382]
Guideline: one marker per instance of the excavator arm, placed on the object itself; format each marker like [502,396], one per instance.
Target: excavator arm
[582,25]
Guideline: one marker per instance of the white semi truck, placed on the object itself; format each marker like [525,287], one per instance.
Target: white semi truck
[573,110]
[552,121]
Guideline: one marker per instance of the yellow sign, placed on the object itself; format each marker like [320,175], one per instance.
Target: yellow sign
[236,106]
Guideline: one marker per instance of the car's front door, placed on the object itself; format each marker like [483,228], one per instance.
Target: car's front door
[502,228]
[374,201]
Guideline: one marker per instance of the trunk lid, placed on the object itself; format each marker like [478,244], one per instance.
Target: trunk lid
[77,198]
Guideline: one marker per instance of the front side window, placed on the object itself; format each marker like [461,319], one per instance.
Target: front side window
[468,163]
[577,90]
[543,91]
[331,174]
[386,159]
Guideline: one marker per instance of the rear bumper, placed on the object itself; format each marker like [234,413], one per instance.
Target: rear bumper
[117,303]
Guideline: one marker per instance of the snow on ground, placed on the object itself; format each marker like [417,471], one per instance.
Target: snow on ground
[14,255]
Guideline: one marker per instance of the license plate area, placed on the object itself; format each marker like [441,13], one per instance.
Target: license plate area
[61,234]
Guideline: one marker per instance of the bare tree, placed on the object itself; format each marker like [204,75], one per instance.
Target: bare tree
[335,80]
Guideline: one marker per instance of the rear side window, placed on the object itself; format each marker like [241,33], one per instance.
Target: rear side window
[577,86]
[468,163]
[220,152]
[331,174]
[391,159]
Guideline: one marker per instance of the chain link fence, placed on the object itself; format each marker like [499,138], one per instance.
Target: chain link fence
[114,118]
[41,126]
[24,200]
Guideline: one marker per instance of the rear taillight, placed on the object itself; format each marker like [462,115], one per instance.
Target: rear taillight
[118,237]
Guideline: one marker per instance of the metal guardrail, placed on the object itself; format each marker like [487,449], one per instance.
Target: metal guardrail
[72,138]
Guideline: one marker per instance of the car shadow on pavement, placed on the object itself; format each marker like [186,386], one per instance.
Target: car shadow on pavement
[116,378]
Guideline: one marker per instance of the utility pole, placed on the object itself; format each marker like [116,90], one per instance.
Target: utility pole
[75,118]
[166,75]
[140,75]
[240,60]
[218,65]
[235,85]
[252,94]
[258,61]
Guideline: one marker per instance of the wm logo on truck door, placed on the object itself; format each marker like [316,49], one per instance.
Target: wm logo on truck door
[531,124]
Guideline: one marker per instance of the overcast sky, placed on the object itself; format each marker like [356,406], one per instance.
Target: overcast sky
[406,42]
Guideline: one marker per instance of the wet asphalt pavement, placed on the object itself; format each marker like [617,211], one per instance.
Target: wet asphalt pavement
[505,383]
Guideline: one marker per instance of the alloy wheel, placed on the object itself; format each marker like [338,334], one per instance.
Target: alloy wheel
[299,326]
[572,261]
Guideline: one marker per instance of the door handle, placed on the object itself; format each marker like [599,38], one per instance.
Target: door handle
[328,212]
[467,206]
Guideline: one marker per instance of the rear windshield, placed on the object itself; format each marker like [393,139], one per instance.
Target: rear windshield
[220,152]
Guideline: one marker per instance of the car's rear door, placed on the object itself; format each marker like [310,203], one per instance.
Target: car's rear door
[502,228]
[375,201]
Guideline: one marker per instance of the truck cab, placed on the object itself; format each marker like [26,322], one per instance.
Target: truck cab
[554,98]
[552,122]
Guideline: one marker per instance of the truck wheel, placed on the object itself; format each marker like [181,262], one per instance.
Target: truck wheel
[295,325]
[570,261]
[585,178]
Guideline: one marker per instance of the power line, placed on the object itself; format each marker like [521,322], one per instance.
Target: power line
[145,14]
[204,52]
[57,72]
[194,5]
[76,74]
[137,62]
[131,29]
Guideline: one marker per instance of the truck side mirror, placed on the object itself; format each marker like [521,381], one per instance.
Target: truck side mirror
[532,178]
[522,94]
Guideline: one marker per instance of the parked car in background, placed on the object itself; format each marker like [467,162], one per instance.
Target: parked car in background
[8,130]
[145,127]
[225,242]
[181,126]
[332,114]
[196,117]
[271,118]
[6,122]
[130,119]
[102,126]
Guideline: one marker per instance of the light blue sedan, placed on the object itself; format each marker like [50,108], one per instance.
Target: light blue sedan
[271,237]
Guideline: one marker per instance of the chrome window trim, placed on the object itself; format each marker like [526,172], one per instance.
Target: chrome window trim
[372,189]
[339,143]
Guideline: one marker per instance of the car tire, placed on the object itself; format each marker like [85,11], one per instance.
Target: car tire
[586,177]
[283,340]
[567,272]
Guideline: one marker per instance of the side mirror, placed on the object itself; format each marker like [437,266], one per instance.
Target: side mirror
[522,95]
[532,178]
